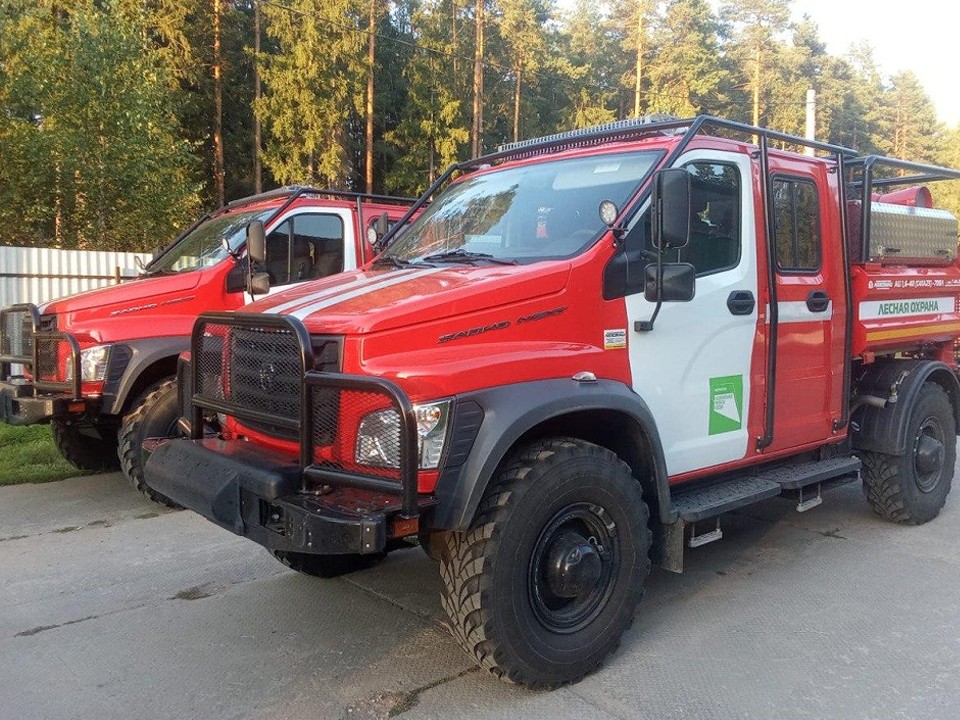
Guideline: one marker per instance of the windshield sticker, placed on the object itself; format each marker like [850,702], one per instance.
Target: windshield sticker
[614,339]
[726,404]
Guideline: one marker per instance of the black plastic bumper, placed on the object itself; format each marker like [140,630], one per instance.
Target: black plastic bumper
[20,405]
[256,494]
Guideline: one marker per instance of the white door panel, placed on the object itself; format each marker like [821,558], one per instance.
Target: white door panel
[693,368]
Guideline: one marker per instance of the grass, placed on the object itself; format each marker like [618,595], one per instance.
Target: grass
[28,455]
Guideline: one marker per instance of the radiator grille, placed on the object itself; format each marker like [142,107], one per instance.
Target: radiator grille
[258,369]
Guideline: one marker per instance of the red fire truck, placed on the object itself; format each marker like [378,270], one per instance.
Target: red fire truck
[100,366]
[586,350]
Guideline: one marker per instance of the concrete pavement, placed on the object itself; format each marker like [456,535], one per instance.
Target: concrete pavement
[111,607]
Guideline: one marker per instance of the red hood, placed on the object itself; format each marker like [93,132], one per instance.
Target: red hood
[366,301]
[124,296]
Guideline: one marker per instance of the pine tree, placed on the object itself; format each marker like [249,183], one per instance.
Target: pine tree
[312,85]
[686,75]
[757,23]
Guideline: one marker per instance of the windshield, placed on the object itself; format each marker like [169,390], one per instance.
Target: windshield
[544,210]
[204,246]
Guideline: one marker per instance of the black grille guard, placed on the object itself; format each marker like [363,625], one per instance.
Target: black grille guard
[406,488]
[38,339]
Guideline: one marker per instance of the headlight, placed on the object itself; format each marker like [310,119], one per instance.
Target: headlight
[378,437]
[93,364]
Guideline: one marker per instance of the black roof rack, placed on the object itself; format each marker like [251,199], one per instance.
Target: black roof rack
[291,193]
[296,191]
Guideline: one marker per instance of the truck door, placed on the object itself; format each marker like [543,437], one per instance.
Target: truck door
[694,368]
[811,305]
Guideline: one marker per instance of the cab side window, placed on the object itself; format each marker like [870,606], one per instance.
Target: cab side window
[305,247]
[278,254]
[715,218]
[796,210]
[317,246]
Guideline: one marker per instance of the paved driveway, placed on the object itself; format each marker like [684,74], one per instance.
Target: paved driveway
[113,608]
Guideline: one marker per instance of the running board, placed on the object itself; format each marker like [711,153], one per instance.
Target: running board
[705,502]
[709,501]
[794,477]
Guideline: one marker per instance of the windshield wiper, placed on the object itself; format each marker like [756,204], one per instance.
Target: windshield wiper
[392,260]
[461,255]
[147,272]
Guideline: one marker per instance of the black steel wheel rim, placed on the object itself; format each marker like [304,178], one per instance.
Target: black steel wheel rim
[928,454]
[565,602]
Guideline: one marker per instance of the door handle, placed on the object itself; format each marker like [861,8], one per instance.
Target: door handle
[740,302]
[817,301]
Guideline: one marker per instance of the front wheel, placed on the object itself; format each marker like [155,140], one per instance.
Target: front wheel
[154,414]
[90,450]
[911,488]
[546,580]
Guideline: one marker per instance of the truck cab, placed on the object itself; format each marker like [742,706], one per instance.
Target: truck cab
[583,353]
[99,366]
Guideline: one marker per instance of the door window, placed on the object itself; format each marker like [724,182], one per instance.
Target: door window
[305,247]
[796,212]
[715,218]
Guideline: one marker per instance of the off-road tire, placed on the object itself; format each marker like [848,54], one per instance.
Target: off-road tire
[896,490]
[488,571]
[83,451]
[153,414]
[326,566]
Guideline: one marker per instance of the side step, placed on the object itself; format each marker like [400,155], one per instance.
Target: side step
[705,502]
[711,501]
[794,477]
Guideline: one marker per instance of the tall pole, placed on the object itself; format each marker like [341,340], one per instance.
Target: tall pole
[477,145]
[218,171]
[371,48]
[811,129]
[639,68]
[257,169]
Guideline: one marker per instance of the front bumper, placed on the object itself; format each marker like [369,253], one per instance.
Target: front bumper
[26,401]
[257,494]
[20,404]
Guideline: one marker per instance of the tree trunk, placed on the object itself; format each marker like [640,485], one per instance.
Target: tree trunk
[516,104]
[756,88]
[218,172]
[371,57]
[477,140]
[454,49]
[257,169]
[639,69]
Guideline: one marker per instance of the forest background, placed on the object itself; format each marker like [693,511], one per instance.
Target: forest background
[120,120]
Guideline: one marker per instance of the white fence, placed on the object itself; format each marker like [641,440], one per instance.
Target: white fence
[40,274]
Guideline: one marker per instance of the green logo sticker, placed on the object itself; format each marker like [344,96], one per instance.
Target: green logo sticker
[726,404]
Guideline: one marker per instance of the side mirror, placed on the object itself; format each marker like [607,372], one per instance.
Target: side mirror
[259,284]
[377,229]
[677,282]
[382,225]
[256,243]
[671,208]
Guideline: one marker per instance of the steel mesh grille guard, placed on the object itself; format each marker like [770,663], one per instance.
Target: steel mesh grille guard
[252,368]
[269,373]
[16,334]
[336,417]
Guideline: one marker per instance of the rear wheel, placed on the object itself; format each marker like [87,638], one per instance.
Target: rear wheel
[912,488]
[154,414]
[326,566]
[546,580]
[85,448]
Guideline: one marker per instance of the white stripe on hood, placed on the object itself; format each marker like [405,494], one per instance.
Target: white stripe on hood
[355,283]
[395,279]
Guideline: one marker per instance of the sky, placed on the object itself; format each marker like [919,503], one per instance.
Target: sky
[921,36]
